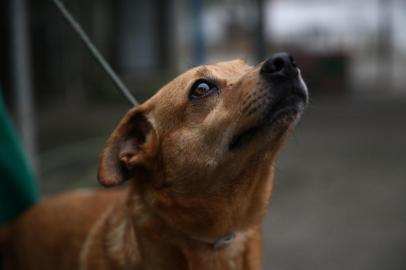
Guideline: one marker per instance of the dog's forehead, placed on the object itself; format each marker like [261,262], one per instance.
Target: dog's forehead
[226,70]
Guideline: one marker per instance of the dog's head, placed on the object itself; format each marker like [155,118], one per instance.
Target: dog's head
[203,147]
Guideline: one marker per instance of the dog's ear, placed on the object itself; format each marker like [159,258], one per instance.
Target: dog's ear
[132,146]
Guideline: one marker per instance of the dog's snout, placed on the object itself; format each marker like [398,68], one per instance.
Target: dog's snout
[279,64]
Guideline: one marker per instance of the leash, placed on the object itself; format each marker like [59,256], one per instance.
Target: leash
[74,24]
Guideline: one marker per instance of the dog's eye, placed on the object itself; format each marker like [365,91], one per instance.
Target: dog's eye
[202,89]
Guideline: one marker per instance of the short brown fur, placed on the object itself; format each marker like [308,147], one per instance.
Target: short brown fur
[187,189]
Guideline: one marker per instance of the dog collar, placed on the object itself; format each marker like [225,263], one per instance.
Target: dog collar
[219,243]
[224,241]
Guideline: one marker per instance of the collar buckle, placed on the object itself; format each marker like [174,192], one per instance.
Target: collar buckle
[224,241]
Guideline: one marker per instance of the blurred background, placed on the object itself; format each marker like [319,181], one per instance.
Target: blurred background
[339,201]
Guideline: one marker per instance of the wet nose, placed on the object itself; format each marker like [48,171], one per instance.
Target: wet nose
[280,64]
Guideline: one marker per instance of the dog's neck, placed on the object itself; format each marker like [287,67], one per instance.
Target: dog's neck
[151,235]
[139,208]
[144,236]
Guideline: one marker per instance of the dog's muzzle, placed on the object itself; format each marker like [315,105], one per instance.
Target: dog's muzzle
[289,92]
[288,97]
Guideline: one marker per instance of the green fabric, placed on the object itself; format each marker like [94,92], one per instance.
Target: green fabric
[18,188]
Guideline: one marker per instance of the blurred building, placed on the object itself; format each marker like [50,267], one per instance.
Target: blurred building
[361,43]
[369,32]
[343,47]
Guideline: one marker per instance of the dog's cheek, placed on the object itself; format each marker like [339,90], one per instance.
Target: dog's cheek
[185,163]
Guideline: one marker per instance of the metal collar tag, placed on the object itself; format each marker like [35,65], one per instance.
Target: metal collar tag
[225,241]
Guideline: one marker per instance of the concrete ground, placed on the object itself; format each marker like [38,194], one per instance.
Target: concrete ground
[339,201]
[340,191]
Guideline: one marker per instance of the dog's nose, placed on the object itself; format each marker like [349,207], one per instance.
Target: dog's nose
[280,64]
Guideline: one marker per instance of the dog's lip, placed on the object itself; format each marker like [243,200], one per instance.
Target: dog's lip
[292,105]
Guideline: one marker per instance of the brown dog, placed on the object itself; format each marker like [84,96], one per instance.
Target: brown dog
[199,157]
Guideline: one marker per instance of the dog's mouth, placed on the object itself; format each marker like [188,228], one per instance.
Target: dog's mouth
[280,115]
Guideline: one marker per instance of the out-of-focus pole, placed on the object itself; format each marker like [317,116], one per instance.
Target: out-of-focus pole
[260,31]
[199,45]
[385,44]
[21,72]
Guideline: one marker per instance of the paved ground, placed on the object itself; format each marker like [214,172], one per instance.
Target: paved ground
[340,191]
[340,195]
